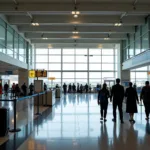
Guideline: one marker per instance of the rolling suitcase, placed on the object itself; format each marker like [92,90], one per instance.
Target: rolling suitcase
[4,125]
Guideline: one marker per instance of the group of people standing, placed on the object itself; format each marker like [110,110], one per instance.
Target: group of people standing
[17,91]
[73,88]
[117,95]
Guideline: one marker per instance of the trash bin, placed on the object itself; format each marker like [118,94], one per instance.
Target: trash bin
[4,125]
[57,93]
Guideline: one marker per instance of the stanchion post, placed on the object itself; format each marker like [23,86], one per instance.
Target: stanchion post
[38,105]
[15,124]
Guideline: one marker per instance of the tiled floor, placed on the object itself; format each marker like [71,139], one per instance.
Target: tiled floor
[74,124]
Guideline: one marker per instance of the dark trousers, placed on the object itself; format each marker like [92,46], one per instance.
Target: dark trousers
[147,109]
[119,104]
[103,111]
[65,91]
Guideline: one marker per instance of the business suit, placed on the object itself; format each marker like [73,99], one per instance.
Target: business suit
[117,93]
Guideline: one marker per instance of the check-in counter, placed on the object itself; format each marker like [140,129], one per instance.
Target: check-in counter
[49,98]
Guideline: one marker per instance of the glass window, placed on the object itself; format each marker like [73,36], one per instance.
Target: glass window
[131,50]
[108,67]
[21,47]
[145,43]
[81,66]
[68,81]
[107,75]
[2,49]
[41,58]
[10,53]
[107,52]
[144,28]
[94,51]
[42,66]
[68,51]
[94,66]
[81,74]
[108,59]
[42,51]
[2,35]
[55,51]
[68,58]
[132,74]
[142,68]
[81,51]
[141,75]
[9,37]
[137,46]
[95,75]
[81,81]
[16,45]
[54,58]
[95,59]
[54,66]
[81,59]
[68,75]
[68,66]
[54,74]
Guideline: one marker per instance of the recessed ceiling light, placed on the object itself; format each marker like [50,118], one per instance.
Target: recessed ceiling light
[75,16]
[118,24]
[100,46]
[106,38]
[75,32]
[45,38]
[34,24]
[49,46]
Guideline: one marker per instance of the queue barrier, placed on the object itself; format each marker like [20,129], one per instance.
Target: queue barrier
[36,96]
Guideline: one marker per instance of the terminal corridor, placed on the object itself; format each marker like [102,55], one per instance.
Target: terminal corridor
[74,124]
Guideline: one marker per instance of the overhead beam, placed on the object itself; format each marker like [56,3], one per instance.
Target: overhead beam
[80,35]
[63,41]
[88,6]
[81,29]
[69,19]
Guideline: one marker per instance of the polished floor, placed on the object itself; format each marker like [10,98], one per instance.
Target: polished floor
[74,124]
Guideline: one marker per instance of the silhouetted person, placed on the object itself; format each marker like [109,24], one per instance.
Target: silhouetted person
[117,93]
[81,88]
[6,87]
[145,96]
[90,88]
[74,87]
[69,88]
[31,87]
[132,98]
[134,86]
[45,87]
[103,96]
[65,88]
[13,89]
[78,88]
[57,86]
[24,89]
[86,88]
[17,90]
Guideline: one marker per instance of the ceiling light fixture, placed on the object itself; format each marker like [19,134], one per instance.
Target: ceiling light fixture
[75,13]
[106,38]
[75,30]
[45,38]
[34,24]
[118,24]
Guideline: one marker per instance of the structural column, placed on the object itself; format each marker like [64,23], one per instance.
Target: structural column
[23,77]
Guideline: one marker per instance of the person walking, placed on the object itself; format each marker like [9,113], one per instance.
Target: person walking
[74,88]
[24,89]
[132,100]
[78,88]
[103,96]
[6,87]
[117,93]
[69,88]
[145,96]
[81,88]
[65,88]
[17,91]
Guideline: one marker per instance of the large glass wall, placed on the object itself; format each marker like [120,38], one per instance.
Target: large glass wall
[13,44]
[137,42]
[82,66]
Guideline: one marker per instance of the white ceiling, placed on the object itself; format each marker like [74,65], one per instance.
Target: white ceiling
[56,23]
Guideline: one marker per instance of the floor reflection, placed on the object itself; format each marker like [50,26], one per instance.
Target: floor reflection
[74,123]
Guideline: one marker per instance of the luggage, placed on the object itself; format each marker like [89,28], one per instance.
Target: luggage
[4,125]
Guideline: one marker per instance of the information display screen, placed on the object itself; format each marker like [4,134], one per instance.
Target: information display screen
[37,73]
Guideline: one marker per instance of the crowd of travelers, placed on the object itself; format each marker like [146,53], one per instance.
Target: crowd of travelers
[117,95]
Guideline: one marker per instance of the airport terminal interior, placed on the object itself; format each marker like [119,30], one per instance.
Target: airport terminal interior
[55,56]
